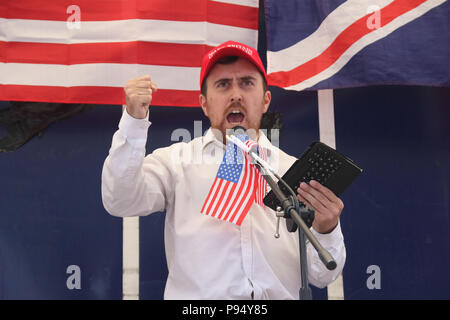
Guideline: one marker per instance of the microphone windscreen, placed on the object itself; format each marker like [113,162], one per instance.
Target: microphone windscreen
[237,130]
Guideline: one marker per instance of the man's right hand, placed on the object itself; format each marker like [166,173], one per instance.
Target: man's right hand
[138,96]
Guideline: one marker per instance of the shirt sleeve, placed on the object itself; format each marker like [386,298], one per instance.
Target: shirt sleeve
[132,184]
[333,242]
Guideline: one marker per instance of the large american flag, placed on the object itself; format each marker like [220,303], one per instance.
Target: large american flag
[84,51]
[327,44]
[237,186]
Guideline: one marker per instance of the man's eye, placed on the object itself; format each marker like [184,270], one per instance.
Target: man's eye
[247,82]
[222,84]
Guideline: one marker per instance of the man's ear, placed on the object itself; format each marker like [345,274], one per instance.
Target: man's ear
[202,101]
[267,99]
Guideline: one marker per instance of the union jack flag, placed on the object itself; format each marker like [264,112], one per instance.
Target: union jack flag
[237,186]
[328,44]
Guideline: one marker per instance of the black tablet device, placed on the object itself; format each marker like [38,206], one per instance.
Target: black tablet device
[321,163]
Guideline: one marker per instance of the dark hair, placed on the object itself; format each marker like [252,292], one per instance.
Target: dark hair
[230,60]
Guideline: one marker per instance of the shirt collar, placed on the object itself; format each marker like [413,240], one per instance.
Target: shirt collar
[209,138]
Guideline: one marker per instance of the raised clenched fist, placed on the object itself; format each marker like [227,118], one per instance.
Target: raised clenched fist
[138,96]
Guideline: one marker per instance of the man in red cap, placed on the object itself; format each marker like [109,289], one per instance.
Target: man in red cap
[233,86]
[208,258]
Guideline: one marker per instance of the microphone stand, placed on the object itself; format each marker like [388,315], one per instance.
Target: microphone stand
[291,209]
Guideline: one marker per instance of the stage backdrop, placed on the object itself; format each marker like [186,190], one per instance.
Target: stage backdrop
[53,227]
[58,242]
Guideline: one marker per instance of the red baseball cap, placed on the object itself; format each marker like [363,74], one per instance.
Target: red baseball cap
[230,48]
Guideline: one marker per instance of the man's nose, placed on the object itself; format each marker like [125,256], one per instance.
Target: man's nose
[236,94]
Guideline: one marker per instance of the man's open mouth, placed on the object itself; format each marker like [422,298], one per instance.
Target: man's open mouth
[235,117]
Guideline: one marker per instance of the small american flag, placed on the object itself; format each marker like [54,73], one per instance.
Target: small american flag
[237,185]
[262,184]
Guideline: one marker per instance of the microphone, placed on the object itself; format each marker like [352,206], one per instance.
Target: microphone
[239,130]
[252,151]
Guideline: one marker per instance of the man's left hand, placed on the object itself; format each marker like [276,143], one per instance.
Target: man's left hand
[327,206]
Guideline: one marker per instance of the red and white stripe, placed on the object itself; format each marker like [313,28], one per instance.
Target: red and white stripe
[261,190]
[42,59]
[230,201]
[341,35]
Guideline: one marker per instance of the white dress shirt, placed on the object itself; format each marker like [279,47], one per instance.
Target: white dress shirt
[208,258]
